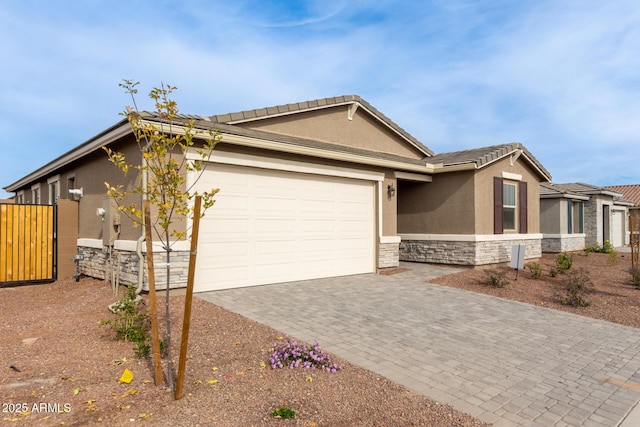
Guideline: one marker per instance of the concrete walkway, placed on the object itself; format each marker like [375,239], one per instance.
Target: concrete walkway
[504,362]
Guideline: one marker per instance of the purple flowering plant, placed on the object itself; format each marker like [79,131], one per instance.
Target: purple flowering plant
[289,353]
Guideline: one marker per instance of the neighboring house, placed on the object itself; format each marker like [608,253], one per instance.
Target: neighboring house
[631,193]
[561,219]
[314,189]
[571,209]
[476,206]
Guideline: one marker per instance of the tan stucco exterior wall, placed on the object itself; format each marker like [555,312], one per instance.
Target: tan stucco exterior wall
[332,125]
[91,176]
[443,206]
[553,214]
[67,237]
[389,206]
[484,194]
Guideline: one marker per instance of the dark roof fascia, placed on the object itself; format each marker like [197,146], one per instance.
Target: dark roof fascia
[318,104]
[106,137]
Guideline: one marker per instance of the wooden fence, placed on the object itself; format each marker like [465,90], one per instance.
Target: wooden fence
[27,243]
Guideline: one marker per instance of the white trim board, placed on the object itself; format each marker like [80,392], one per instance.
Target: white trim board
[130,245]
[240,159]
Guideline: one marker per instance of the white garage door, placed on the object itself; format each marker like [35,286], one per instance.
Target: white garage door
[617,228]
[271,226]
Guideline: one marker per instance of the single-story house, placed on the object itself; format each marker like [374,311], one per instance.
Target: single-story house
[561,219]
[576,215]
[630,192]
[313,189]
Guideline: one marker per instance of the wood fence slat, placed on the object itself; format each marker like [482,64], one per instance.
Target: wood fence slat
[26,243]
[50,245]
[3,243]
[33,216]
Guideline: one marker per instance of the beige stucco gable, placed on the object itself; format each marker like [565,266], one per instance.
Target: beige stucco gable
[517,171]
[339,125]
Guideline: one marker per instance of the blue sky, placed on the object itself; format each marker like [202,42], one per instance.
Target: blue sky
[562,77]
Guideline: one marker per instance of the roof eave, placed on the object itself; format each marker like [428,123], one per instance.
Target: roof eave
[261,140]
[564,196]
[360,103]
[326,154]
[473,164]
[110,135]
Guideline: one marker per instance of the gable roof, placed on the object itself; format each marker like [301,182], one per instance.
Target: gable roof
[353,101]
[629,192]
[236,135]
[549,190]
[582,188]
[478,158]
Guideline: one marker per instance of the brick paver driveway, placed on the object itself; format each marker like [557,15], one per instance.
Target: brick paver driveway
[501,361]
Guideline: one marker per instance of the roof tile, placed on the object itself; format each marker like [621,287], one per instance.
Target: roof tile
[629,192]
[484,155]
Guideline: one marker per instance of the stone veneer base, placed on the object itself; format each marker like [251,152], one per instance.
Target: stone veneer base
[466,252]
[123,265]
[563,243]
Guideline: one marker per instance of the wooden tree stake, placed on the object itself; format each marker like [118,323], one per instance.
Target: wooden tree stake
[189,297]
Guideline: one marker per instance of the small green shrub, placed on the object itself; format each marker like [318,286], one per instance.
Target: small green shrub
[613,258]
[553,272]
[132,322]
[576,285]
[605,248]
[535,269]
[564,262]
[284,413]
[495,278]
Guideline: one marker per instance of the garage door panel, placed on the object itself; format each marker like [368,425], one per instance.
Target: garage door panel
[269,249]
[273,226]
[351,227]
[225,225]
[317,245]
[317,226]
[267,183]
[352,207]
[274,204]
[232,203]
[225,249]
[317,207]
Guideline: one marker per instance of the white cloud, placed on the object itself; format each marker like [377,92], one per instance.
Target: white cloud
[559,77]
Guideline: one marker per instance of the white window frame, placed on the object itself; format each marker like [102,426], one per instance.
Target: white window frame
[514,206]
[36,194]
[20,197]
[71,178]
[54,189]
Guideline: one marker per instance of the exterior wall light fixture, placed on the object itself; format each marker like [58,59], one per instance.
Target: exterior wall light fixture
[391,190]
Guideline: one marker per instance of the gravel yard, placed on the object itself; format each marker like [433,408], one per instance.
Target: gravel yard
[63,359]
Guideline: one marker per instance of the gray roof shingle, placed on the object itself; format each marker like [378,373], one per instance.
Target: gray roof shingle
[297,107]
[485,155]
